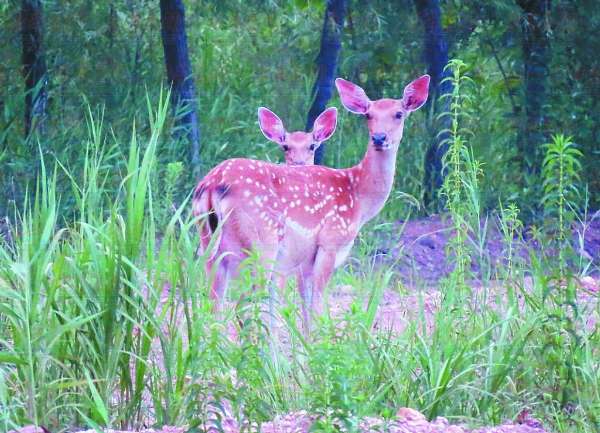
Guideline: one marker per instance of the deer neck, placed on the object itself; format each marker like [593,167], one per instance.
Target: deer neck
[374,180]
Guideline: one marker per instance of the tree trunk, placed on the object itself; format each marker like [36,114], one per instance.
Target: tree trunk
[179,73]
[536,53]
[34,66]
[327,61]
[436,57]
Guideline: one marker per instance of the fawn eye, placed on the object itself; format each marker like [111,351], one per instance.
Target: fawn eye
[398,115]
[285,147]
[313,146]
[367,116]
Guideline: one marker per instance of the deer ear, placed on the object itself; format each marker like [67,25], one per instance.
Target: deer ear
[271,125]
[415,94]
[325,124]
[353,97]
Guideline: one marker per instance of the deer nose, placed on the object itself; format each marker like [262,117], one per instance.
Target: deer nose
[379,139]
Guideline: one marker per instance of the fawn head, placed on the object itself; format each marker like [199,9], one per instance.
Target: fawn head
[385,117]
[298,147]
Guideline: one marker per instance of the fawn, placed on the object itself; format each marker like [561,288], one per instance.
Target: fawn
[303,219]
[298,147]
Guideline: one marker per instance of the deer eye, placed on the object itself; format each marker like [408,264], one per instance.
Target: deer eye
[313,146]
[398,115]
[285,147]
[368,116]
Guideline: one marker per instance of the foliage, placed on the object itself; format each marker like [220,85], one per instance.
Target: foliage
[104,319]
[247,54]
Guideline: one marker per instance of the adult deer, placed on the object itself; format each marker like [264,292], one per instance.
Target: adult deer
[298,147]
[303,219]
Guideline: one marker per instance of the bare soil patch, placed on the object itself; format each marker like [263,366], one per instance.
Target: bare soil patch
[418,251]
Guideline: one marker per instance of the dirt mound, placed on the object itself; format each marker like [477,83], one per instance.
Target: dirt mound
[406,421]
[418,250]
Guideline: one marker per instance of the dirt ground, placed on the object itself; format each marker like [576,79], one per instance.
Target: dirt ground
[406,421]
[418,251]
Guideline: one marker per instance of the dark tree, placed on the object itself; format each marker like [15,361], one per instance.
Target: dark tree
[34,65]
[327,61]
[436,57]
[179,73]
[536,53]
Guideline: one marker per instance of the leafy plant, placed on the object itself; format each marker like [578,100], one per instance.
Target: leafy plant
[511,228]
[561,175]
[460,186]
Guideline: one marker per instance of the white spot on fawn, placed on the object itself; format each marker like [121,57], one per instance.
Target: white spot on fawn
[300,229]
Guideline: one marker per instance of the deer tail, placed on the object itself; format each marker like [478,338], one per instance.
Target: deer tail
[207,207]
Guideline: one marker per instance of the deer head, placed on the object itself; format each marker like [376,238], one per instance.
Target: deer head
[298,147]
[385,120]
[385,117]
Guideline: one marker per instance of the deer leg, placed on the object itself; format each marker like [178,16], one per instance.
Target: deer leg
[311,283]
[273,280]
[219,272]
[322,271]
[281,281]
[305,288]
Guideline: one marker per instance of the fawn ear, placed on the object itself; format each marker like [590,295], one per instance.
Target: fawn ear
[325,124]
[415,94]
[353,97]
[271,125]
